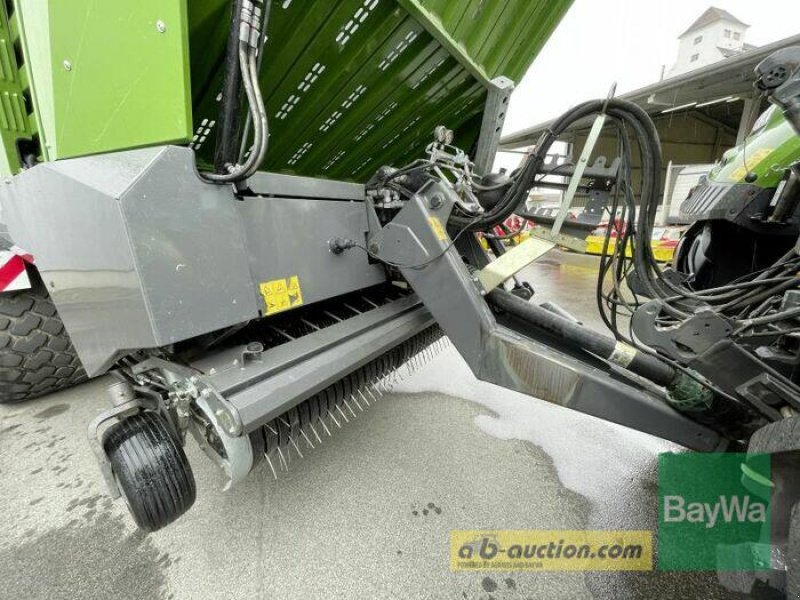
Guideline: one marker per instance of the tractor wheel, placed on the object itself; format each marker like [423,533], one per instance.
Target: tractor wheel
[36,354]
[784,437]
[781,436]
[151,470]
[793,556]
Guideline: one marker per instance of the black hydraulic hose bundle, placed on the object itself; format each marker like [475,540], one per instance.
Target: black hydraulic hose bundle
[634,230]
[225,152]
[740,300]
[248,32]
[526,178]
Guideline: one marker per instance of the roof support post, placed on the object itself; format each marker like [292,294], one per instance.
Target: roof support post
[494,116]
[749,116]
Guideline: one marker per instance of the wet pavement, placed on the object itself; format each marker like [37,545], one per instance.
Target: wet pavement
[366,515]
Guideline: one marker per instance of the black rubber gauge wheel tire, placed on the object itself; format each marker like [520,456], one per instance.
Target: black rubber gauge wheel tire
[36,354]
[151,469]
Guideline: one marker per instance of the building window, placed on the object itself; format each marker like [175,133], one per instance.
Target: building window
[727,33]
[737,36]
[698,39]
[694,57]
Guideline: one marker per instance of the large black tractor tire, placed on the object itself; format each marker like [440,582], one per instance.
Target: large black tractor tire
[151,470]
[36,354]
[784,436]
[781,436]
[793,556]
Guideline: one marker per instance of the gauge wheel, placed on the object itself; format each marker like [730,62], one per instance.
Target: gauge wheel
[151,470]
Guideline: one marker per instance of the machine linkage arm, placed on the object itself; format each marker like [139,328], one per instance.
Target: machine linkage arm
[523,347]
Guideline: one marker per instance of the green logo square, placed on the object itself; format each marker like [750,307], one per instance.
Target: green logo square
[713,512]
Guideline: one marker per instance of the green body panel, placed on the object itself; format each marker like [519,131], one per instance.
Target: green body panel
[349,84]
[767,152]
[493,38]
[104,76]
[14,122]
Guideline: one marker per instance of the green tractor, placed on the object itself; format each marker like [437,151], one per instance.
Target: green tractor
[745,227]
[745,216]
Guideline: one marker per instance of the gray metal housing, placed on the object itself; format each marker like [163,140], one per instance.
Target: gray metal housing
[137,252]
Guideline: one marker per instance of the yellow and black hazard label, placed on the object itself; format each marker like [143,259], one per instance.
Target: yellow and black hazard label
[751,161]
[282,294]
[438,230]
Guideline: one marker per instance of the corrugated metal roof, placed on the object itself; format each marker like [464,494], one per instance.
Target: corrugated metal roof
[730,77]
[354,84]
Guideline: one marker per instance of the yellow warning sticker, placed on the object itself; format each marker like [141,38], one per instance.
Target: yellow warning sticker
[438,230]
[282,294]
[753,160]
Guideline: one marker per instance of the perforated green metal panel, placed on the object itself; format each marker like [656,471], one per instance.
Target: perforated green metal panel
[354,84]
[349,84]
[14,122]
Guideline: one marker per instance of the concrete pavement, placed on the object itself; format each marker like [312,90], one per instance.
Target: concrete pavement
[366,515]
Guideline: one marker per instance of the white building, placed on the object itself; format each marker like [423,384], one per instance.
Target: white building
[716,35]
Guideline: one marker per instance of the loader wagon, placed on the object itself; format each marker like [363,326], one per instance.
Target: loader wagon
[120,255]
[257,214]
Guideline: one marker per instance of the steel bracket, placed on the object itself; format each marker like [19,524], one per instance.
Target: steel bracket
[190,384]
[504,352]
[494,117]
[96,433]
[683,342]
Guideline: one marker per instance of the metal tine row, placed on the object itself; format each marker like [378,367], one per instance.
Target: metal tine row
[343,401]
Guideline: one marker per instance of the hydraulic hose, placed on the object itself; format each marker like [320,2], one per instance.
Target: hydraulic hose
[225,152]
[259,117]
[686,391]
[579,336]
[262,42]
[250,35]
[247,64]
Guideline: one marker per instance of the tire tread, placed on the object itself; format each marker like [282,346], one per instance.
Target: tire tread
[152,470]
[780,436]
[37,357]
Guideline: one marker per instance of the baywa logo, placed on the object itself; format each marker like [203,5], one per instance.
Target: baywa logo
[711,515]
[729,509]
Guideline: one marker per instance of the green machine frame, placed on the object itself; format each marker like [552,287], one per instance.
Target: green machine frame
[349,85]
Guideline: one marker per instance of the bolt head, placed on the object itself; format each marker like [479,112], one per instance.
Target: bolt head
[67,65]
[161,26]
[225,421]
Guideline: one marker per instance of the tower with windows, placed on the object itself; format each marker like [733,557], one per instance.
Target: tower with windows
[714,36]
